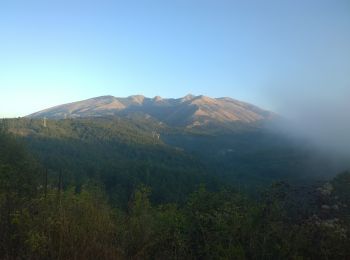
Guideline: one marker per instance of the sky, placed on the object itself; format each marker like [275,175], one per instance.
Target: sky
[276,54]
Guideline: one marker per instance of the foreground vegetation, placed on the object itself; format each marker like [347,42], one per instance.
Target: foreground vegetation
[43,218]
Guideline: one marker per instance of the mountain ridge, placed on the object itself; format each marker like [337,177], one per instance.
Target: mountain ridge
[188,111]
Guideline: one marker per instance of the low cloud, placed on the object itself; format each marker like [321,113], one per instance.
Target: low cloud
[316,106]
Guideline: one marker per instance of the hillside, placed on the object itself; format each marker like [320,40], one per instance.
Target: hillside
[44,217]
[109,147]
[120,153]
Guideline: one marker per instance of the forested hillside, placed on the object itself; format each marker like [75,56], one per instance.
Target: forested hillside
[119,153]
[182,141]
[41,218]
[122,152]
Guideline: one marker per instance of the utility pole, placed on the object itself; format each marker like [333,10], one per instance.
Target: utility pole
[60,184]
[45,183]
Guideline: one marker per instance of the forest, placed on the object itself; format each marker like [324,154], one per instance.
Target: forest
[166,206]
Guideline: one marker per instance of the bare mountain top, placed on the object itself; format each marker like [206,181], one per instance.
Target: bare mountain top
[188,111]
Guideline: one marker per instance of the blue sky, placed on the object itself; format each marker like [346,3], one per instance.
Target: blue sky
[263,52]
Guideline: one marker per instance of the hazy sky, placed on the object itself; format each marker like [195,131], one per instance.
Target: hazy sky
[269,53]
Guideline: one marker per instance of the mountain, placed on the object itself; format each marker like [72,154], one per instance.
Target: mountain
[130,140]
[170,145]
[189,111]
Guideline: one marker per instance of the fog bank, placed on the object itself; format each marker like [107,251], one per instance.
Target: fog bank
[316,109]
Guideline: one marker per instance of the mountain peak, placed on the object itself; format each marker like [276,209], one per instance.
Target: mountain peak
[187,97]
[157,98]
[138,99]
[203,99]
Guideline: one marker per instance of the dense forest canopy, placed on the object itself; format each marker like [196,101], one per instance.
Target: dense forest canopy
[247,155]
[85,189]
